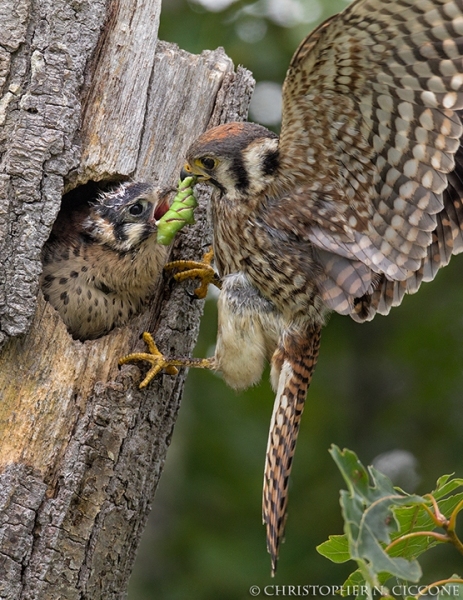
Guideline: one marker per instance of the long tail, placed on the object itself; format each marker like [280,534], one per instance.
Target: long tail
[296,358]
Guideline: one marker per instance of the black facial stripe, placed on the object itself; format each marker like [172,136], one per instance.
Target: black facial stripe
[120,233]
[240,174]
[271,162]
[217,185]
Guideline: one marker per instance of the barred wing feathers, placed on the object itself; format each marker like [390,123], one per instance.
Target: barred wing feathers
[370,144]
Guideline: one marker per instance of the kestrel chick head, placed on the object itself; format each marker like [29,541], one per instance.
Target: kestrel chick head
[102,262]
[240,159]
[126,216]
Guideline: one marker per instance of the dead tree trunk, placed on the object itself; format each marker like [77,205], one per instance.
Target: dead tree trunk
[87,93]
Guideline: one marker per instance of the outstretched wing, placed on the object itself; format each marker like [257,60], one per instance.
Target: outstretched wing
[447,239]
[369,137]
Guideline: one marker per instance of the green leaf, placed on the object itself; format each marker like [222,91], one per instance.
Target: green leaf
[354,473]
[453,590]
[355,586]
[445,486]
[369,520]
[354,582]
[375,514]
[336,549]
[413,518]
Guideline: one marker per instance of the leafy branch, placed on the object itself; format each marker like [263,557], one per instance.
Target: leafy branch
[386,530]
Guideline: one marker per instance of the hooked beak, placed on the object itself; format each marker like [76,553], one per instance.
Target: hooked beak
[187,171]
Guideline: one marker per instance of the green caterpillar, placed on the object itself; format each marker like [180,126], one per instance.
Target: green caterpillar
[180,213]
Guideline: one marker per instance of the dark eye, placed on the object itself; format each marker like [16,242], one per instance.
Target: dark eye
[136,209]
[207,162]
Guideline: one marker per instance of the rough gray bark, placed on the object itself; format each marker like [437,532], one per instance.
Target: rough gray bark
[43,52]
[88,94]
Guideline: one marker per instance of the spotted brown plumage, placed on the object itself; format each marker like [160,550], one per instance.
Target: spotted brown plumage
[101,262]
[356,204]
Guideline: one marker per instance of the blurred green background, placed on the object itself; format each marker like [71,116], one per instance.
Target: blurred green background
[392,387]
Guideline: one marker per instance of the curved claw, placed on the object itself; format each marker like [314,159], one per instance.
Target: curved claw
[191,269]
[160,362]
[197,270]
[153,356]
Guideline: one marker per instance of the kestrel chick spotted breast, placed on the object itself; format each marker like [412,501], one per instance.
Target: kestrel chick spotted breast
[101,262]
[356,203]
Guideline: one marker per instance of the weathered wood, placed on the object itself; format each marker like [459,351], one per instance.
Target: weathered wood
[43,56]
[81,448]
[115,108]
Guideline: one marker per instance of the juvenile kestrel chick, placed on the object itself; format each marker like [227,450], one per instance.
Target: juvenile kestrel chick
[101,262]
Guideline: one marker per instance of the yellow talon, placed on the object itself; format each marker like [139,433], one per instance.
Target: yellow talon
[160,362]
[191,269]
[153,356]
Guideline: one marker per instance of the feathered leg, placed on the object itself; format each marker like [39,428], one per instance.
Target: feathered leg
[295,360]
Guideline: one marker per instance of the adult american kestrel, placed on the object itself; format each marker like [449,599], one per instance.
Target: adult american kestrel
[355,204]
[102,261]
